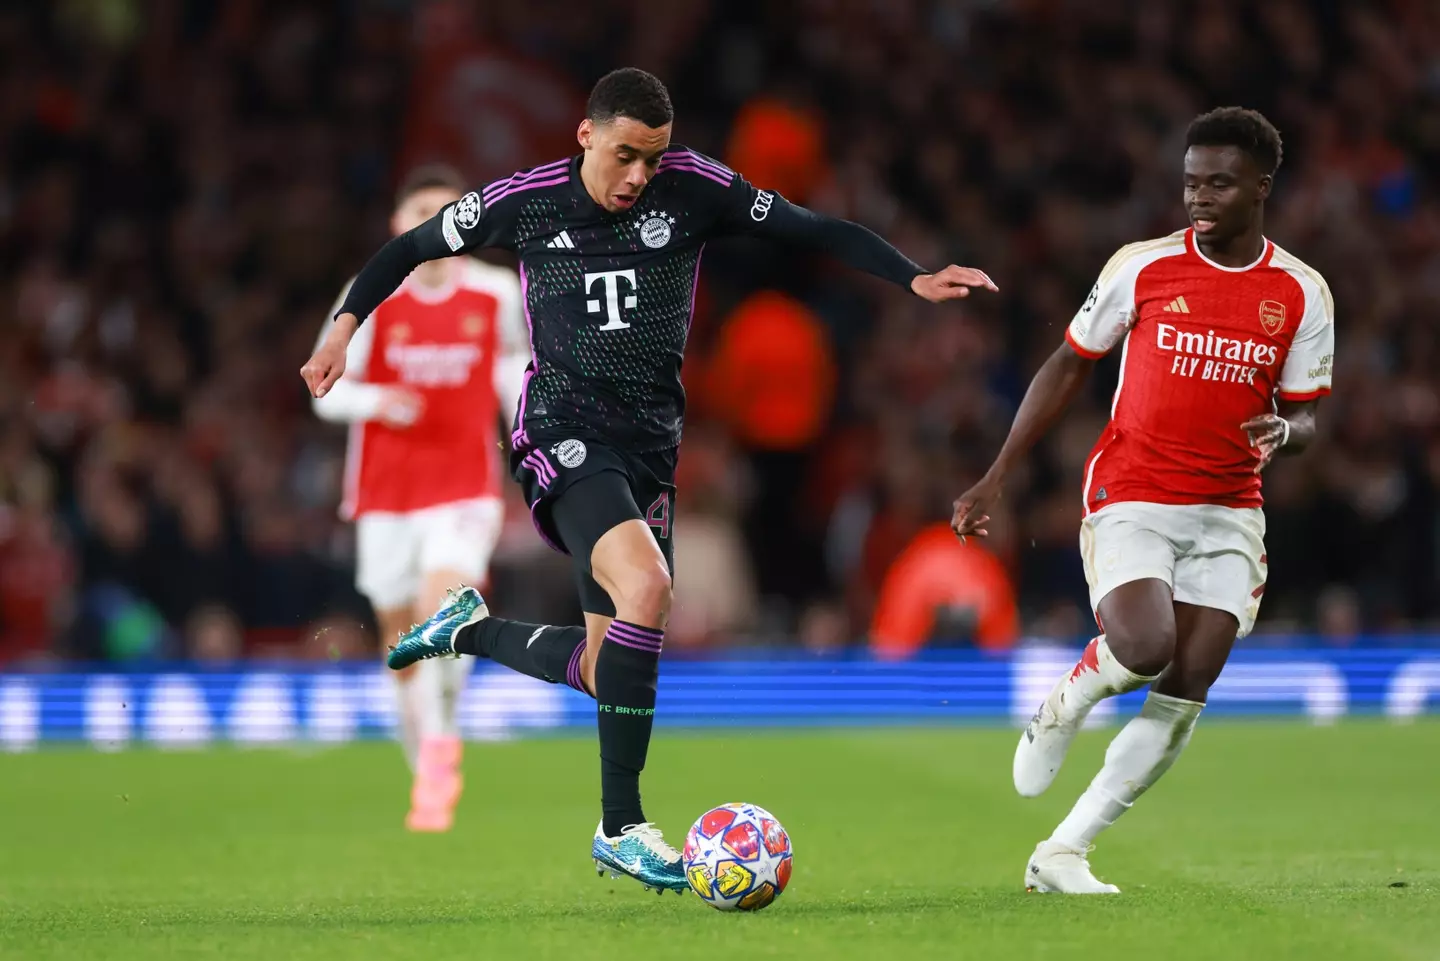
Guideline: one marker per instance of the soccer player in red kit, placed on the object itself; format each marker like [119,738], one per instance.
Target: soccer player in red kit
[429,377]
[1226,347]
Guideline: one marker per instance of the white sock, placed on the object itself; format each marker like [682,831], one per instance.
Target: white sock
[1098,675]
[1142,752]
[454,675]
[417,707]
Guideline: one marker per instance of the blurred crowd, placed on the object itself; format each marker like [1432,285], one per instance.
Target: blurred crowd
[185,186]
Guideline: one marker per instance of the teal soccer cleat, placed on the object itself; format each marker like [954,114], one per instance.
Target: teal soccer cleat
[640,852]
[436,637]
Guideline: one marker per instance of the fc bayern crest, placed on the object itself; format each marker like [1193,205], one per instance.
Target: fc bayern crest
[655,229]
[570,453]
[1272,316]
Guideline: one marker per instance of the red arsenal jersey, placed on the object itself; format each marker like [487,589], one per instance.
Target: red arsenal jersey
[462,348]
[1205,348]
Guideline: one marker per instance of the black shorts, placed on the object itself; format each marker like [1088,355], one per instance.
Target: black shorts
[579,489]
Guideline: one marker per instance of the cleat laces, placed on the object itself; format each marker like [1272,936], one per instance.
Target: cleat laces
[653,841]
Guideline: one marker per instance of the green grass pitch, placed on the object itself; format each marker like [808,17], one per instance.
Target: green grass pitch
[1267,841]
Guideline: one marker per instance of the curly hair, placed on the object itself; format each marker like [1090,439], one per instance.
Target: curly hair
[630,92]
[1238,127]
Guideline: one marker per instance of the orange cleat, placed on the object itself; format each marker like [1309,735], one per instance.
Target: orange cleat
[437,786]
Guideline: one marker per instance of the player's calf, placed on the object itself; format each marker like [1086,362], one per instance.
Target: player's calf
[1136,759]
[1047,738]
[410,697]
[628,564]
[551,653]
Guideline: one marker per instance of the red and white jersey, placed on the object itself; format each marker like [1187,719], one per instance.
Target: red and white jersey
[463,348]
[1206,348]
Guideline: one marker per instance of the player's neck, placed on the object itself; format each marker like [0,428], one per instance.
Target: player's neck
[1239,251]
[595,193]
[433,274]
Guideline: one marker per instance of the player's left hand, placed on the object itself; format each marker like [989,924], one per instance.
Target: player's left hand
[327,364]
[951,283]
[972,509]
[1267,434]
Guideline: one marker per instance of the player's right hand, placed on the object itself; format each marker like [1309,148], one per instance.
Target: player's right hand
[400,408]
[972,509]
[951,283]
[324,368]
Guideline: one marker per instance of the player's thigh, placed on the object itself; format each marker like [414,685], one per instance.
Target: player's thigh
[654,486]
[386,560]
[1130,566]
[613,547]
[457,543]
[641,555]
[1226,567]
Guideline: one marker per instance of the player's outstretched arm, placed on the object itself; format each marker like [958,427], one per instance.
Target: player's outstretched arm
[1054,386]
[860,247]
[379,279]
[460,227]
[352,400]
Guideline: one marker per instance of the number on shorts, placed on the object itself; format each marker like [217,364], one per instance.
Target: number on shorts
[658,516]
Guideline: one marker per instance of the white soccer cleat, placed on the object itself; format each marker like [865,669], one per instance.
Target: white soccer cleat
[1044,744]
[1057,869]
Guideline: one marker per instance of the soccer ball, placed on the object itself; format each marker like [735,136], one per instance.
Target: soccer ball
[737,857]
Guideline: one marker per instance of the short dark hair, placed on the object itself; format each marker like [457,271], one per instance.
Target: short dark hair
[429,177]
[1242,128]
[630,92]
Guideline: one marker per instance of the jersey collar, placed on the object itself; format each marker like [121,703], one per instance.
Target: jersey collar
[435,295]
[577,186]
[1260,261]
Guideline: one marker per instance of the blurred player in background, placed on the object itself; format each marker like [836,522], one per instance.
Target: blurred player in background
[1227,348]
[430,375]
[609,243]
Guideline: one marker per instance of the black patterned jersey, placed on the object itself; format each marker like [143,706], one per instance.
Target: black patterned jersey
[609,296]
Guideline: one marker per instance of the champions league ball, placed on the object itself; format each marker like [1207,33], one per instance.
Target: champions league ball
[737,857]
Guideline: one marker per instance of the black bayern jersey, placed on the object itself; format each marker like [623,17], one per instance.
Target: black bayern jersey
[609,296]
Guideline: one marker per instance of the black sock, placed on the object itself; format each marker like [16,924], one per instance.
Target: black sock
[550,653]
[625,676]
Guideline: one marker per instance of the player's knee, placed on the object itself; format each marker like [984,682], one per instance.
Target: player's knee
[643,594]
[1186,683]
[1143,648]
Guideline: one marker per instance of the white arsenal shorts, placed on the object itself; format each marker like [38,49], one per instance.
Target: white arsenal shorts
[1211,556]
[394,552]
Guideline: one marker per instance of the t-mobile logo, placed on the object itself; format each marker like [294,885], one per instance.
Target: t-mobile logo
[612,280]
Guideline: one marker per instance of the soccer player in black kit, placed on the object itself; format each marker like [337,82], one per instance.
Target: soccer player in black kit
[609,243]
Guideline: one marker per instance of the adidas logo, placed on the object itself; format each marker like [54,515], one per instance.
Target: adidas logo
[1177,306]
[563,242]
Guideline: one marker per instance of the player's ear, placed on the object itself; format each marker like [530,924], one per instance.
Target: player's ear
[586,133]
[1262,190]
